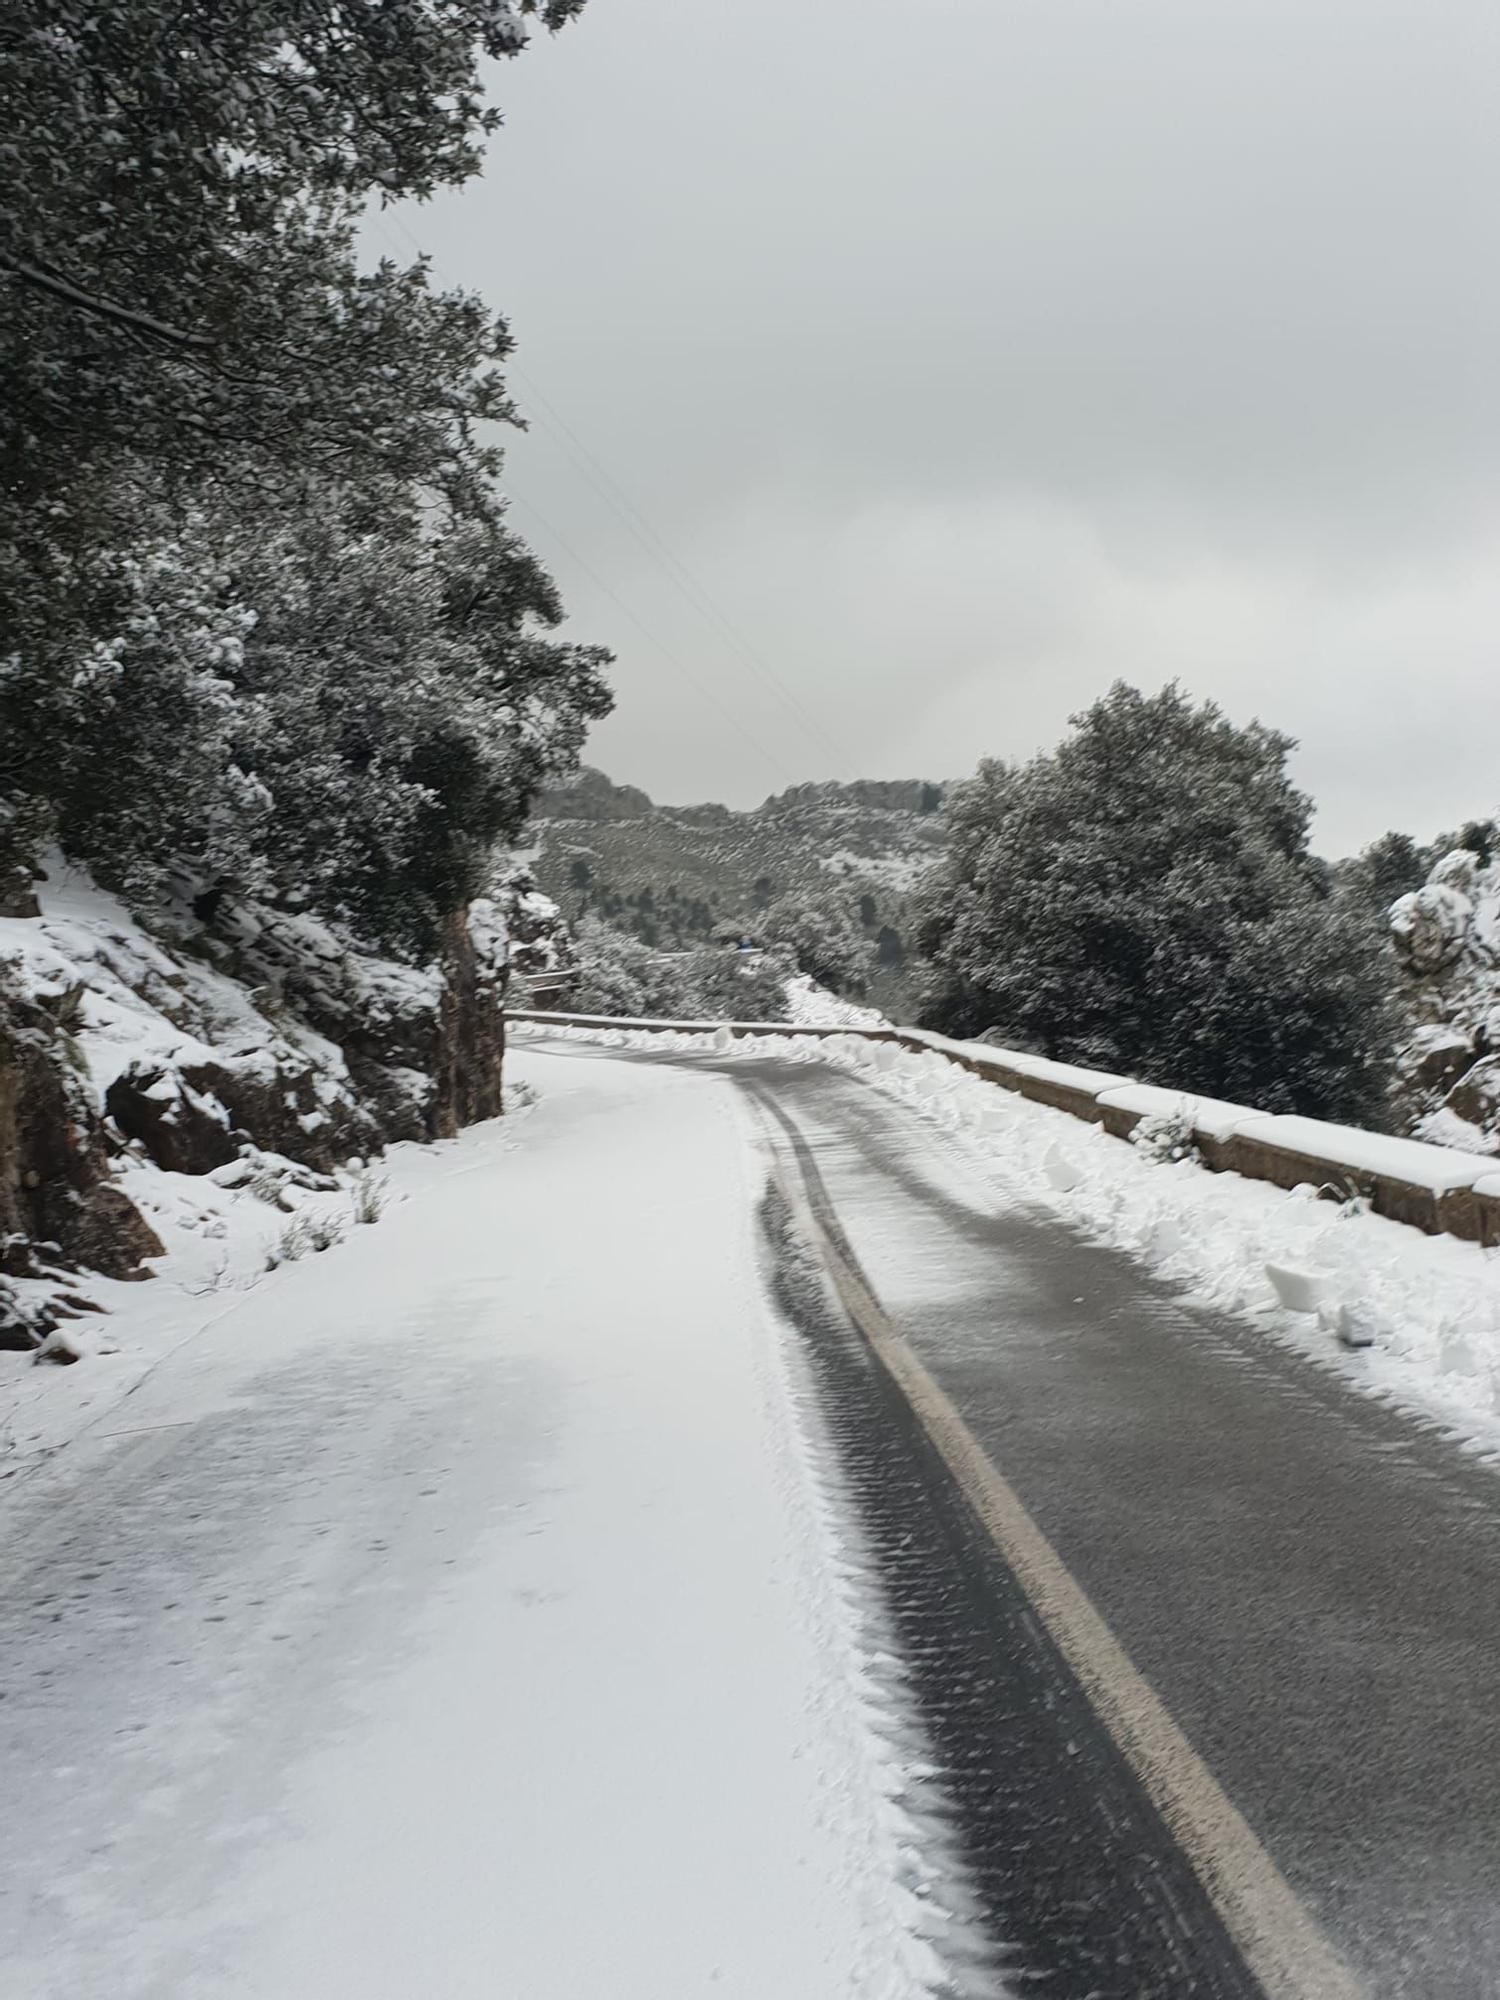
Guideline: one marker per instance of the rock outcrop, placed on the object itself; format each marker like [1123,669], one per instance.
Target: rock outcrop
[541,949]
[1447,939]
[59,1206]
[267,1036]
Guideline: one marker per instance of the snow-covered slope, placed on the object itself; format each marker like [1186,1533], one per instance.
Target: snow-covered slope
[812,1006]
[598,844]
[262,1054]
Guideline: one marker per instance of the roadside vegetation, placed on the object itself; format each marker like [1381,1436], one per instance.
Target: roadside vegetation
[1144,899]
[265,625]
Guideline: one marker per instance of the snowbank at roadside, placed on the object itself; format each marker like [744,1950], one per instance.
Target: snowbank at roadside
[221,1243]
[809,1005]
[1429,1306]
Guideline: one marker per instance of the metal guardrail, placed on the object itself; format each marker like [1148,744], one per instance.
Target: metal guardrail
[1432,1188]
[540,985]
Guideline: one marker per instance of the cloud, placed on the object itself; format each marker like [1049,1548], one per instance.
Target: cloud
[920,637]
[970,355]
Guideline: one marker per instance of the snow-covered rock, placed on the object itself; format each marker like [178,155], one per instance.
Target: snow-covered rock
[1447,939]
[269,1037]
[538,937]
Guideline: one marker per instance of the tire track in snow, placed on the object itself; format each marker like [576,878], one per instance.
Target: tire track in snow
[953,1955]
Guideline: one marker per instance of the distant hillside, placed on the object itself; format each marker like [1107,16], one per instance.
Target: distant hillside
[675,874]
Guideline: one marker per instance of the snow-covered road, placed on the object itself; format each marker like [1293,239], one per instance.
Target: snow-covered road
[470,1612]
[511,1601]
[1280,1593]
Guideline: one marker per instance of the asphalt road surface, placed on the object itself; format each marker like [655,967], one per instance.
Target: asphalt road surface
[1307,1582]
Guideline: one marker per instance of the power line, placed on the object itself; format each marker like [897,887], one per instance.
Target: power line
[706,693]
[648,538]
[655,545]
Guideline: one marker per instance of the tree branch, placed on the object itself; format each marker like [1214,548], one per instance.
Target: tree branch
[139,322]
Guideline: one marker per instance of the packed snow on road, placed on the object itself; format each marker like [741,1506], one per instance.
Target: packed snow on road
[470,1608]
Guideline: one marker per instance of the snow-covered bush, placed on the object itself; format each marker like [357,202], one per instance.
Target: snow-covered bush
[824,939]
[618,974]
[1167,1136]
[313,704]
[612,970]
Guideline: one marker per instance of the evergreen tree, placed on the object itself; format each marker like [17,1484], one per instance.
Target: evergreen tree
[262,621]
[824,939]
[1143,899]
[1389,867]
[181,193]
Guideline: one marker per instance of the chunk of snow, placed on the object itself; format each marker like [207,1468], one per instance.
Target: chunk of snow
[1298,1291]
[1167,1239]
[1348,1323]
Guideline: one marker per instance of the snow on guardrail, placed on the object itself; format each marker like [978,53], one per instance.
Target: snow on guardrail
[1432,1188]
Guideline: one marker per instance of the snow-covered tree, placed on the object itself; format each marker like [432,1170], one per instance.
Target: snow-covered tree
[338,700]
[1389,867]
[178,207]
[261,616]
[119,717]
[618,973]
[824,939]
[1143,899]
[403,703]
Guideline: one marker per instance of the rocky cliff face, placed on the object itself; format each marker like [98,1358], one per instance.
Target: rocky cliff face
[540,944]
[593,796]
[1447,938]
[264,1046]
[57,1198]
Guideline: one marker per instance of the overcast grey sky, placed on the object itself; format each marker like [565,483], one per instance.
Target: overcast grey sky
[904,371]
